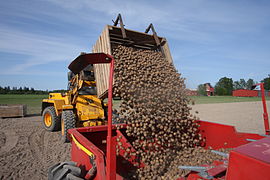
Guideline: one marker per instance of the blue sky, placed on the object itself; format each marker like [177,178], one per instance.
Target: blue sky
[208,39]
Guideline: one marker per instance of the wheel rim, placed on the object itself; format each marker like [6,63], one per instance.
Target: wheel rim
[62,128]
[48,119]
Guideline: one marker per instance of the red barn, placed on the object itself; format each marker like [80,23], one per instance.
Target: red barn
[245,93]
[209,89]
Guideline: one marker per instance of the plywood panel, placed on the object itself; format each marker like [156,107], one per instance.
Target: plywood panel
[102,70]
[12,110]
[166,51]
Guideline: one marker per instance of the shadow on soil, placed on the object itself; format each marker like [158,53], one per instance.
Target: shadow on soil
[32,115]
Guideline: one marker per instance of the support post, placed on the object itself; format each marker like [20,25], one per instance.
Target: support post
[265,114]
[111,141]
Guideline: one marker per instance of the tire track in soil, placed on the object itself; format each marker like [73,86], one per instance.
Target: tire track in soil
[36,146]
[2,140]
[35,149]
[51,157]
[10,141]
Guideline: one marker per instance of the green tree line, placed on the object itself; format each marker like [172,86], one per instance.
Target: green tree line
[226,85]
[24,90]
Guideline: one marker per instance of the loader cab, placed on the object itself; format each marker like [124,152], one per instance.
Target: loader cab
[87,77]
[70,75]
[90,90]
[87,74]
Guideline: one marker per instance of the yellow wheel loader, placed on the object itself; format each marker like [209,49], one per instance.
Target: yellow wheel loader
[79,106]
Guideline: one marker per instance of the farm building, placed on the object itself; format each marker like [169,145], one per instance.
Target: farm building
[249,93]
[192,92]
[209,89]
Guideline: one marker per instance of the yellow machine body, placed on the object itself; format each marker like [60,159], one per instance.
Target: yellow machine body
[88,109]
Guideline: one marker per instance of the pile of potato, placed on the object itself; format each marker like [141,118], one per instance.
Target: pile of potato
[156,109]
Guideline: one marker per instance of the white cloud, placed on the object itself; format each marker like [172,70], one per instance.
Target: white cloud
[195,20]
[38,48]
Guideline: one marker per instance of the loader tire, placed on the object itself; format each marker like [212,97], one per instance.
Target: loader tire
[67,122]
[51,121]
[65,171]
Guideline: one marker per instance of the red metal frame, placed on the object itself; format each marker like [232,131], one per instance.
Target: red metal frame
[218,136]
[265,113]
[92,58]
[94,139]
[111,140]
[250,161]
[81,158]
[76,66]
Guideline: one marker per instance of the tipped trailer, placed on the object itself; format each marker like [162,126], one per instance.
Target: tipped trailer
[116,34]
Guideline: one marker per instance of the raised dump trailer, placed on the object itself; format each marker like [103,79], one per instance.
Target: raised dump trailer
[112,36]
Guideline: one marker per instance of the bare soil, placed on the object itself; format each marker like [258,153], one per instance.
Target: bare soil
[27,150]
[245,116]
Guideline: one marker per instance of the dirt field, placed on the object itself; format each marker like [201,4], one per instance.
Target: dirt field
[27,150]
[245,116]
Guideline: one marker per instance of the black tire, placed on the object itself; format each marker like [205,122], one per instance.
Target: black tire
[67,122]
[55,120]
[65,170]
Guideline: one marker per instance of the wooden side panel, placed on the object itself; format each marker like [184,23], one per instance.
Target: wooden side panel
[102,70]
[12,110]
[166,51]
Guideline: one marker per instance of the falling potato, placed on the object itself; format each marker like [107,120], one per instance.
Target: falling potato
[156,109]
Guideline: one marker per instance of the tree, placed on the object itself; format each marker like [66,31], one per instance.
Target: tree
[250,83]
[6,90]
[1,90]
[220,91]
[20,90]
[266,82]
[24,90]
[236,85]
[243,84]
[201,90]
[224,86]
[32,91]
